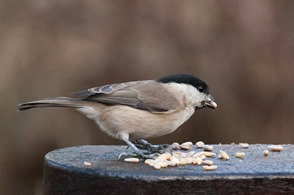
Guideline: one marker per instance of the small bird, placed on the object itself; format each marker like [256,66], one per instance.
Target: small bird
[137,110]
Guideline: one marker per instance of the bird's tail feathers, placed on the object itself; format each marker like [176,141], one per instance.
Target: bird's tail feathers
[52,102]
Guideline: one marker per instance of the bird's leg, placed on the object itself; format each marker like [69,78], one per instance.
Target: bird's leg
[138,153]
[143,144]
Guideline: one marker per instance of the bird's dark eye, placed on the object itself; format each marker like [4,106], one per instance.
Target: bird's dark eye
[200,89]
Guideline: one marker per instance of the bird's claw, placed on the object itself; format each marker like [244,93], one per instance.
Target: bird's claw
[144,145]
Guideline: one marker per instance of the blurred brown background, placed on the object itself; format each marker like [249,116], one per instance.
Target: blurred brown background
[244,50]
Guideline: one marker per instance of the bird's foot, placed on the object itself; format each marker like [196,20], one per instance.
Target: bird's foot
[151,149]
[143,149]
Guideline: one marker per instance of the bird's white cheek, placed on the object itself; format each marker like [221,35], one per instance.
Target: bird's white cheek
[192,96]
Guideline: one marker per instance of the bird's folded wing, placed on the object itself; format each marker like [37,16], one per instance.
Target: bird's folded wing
[145,95]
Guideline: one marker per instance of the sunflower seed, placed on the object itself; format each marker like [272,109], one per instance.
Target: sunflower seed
[265,153]
[132,160]
[244,145]
[199,144]
[240,155]
[275,148]
[186,145]
[208,154]
[87,164]
[208,147]
[207,162]
[223,155]
[176,146]
[164,156]
[209,168]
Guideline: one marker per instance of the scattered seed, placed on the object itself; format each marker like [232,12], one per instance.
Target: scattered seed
[182,161]
[191,157]
[207,162]
[189,154]
[157,166]
[208,147]
[186,145]
[133,160]
[240,155]
[223,155]
[244,145]
[208,154]
[178,154]
[275,148]
[172,163]
[176,146]
[164,156]
[189,160]
[197,161]
[209,168]
[197,154]
[173,158]
[87,164]
[150,162]
[265,153]
[163,164]
[199,144]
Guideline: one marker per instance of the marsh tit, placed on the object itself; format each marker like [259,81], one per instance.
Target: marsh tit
[137,110]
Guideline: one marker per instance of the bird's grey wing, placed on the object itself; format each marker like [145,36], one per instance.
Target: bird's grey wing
[106,89]
[144,95]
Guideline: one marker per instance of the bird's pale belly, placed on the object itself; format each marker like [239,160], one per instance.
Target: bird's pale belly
[142,124]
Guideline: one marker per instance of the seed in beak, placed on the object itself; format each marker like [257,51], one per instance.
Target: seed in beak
[213,105]
[210,102]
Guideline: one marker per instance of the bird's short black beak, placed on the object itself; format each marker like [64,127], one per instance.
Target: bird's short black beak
[210,102]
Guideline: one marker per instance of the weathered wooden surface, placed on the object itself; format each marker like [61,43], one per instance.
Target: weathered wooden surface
[65,173]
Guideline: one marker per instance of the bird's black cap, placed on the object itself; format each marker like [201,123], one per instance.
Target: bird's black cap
[186,79]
